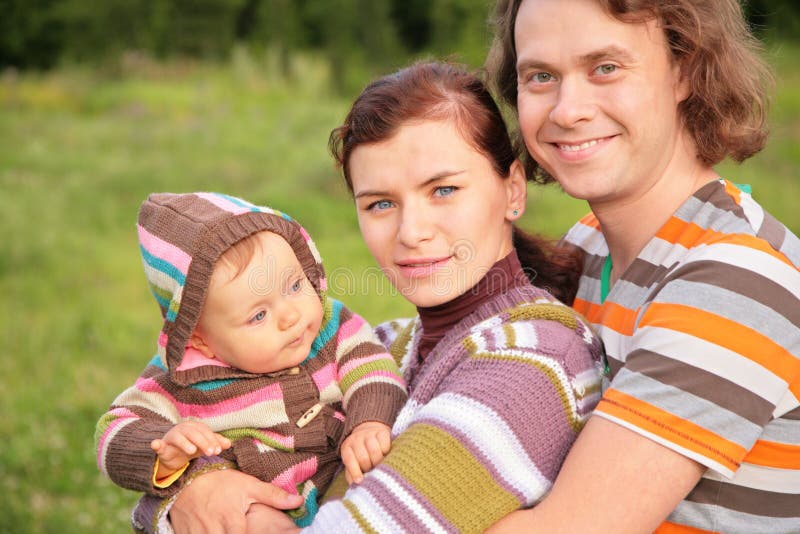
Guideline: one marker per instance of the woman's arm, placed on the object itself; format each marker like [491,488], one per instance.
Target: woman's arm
[634,484]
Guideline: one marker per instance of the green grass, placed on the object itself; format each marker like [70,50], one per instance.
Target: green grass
[82,149]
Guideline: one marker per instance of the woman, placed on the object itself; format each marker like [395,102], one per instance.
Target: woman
[501,374]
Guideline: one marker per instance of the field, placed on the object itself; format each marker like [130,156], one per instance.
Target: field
[81,149]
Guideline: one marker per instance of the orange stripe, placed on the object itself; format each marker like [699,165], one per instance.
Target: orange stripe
[773,454]
[734,192]
[690,235]
[672,428]
[590,220]
[674,528]
[728,334]
[610,315]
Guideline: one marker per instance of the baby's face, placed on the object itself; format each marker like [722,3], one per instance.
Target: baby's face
[265,319]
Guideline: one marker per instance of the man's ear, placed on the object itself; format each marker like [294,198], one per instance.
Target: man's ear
[197,342]
[516,191]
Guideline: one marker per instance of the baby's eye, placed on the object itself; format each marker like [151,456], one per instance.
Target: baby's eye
[296,286]
[257,318]
[608,68]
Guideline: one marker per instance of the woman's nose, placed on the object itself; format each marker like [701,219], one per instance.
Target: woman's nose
[415,226]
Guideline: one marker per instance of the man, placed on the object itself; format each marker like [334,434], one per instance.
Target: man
[693,287]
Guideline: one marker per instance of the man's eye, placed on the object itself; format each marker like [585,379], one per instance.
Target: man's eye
[542,77]
[606,69]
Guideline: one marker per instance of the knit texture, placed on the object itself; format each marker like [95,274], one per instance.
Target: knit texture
[347,370]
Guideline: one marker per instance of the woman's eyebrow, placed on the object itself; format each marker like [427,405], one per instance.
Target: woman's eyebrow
[433,179]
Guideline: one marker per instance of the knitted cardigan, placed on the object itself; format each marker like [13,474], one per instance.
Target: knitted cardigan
[492,412]
[347,371]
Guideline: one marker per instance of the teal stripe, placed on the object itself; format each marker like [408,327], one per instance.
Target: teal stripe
[211,385]
[326,331]
[238,201]
[163,266]
[156,362]
[164,303]
[311,509]
[605,279]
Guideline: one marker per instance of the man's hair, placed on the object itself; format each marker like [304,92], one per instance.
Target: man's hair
[726,110]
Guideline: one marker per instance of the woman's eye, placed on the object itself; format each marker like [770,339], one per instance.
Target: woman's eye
[606,69]
[379,205]
[257,318]
[444,191]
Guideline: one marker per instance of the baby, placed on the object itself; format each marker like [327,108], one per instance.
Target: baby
[255,364]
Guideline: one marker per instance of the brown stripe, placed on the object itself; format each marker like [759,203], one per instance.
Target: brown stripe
[794,415]
[745,282]
[702,384]
[772,231]
[747,500]
[643,273]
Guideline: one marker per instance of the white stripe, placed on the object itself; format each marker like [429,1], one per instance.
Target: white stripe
[110,437]
[703,460]
[371,510]
[788,403]
[662,252]
[758,262]
[489,433]
[361,383]
[763,478]
[411,505]
[752,210]
[713,358]
[404,418]
[588,238]
[362,335]
[615,343]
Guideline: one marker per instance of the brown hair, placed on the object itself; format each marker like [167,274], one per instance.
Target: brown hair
[726,110]
[239,254]
[444,91]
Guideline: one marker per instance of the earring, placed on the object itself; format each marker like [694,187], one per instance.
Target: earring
[516,212]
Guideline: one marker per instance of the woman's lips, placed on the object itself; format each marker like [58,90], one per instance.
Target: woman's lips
[421,267]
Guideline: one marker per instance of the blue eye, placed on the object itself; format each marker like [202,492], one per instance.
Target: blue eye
[257,318]
[296,286]
[380,205]
[444,191]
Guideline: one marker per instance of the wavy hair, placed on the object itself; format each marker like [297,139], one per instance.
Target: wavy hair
[730,83]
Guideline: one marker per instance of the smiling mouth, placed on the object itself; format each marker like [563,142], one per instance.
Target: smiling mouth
[422,267]
[581,146]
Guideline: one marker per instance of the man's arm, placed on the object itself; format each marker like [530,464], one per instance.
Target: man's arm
[613,480]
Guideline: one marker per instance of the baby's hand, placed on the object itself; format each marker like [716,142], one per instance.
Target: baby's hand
[185,441]
[364,448]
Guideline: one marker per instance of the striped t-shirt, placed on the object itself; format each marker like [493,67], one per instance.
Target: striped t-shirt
[702,334]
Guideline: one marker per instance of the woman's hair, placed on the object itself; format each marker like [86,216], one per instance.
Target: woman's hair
[726,110]
[444,91]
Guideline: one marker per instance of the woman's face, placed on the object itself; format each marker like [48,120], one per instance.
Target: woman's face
[433,211]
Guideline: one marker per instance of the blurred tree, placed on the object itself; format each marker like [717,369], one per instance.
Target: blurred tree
[460,28]
[30,34]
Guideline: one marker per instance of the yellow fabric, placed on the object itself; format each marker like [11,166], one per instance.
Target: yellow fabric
[168,480]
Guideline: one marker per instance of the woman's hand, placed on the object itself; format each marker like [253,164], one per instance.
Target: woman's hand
[263,519]
[217,502]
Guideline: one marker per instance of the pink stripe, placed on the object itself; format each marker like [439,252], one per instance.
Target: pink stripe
[223,204]
[123,415]
[338,415]
[350,328]
[166,251]
[323,284]
[194,358]
[271,392]
[286,441]
[162,339]
[349,366]
[305,234]
[289,479]
[324,376]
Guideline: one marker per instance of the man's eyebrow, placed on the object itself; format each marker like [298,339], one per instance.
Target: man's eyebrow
[609,52]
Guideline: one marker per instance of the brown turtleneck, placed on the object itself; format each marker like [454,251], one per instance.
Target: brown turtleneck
[436,320]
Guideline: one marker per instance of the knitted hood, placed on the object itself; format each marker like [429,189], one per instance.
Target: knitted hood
[181,237]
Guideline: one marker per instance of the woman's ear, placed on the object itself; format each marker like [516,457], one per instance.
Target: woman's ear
[197,342]
[516,191]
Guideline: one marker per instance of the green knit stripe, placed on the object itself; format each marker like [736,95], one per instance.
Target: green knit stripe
[575,423]
[511,336]
[359,519]
[454,482]
[400,346]
[359,372]
[236,434]
[548,312]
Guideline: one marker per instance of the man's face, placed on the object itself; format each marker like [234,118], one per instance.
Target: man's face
[598,100]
